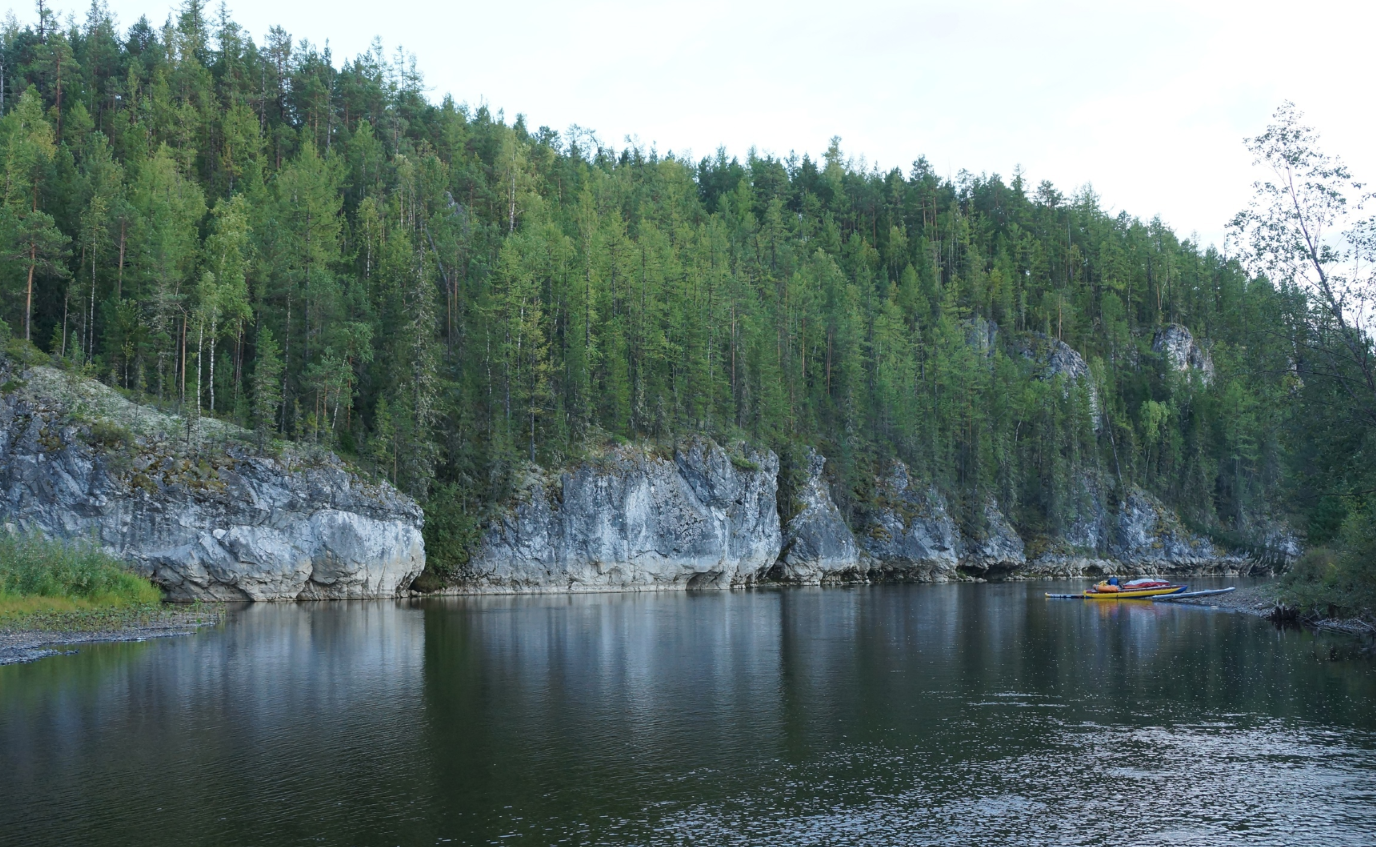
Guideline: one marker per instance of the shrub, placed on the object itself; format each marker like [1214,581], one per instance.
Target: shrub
[32,566]
[744,464]
[451,532]
[110,435]
[1339,580]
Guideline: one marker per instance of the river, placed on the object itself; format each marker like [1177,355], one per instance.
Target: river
[918,714]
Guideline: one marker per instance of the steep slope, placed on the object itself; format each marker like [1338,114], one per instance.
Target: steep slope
[195,508]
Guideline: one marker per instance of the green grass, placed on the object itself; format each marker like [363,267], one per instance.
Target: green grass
[40,579]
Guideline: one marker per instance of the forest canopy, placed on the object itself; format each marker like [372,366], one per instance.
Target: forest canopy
[316,249]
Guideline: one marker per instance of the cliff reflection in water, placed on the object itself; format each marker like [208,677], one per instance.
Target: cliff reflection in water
[899,714]
[888,713]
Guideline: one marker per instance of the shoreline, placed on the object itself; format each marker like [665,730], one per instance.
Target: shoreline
[21,645]
[1264,601]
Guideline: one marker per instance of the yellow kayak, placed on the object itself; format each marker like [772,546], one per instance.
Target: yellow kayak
[1133,593]
[1104,591]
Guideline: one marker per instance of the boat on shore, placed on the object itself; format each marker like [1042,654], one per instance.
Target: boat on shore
[1138,589]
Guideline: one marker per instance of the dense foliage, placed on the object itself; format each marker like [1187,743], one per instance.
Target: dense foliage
[323,253]
[34,570]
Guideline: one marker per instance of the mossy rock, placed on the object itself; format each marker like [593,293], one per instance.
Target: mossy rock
[744,464]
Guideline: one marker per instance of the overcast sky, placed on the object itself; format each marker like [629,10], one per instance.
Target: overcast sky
[1148,102]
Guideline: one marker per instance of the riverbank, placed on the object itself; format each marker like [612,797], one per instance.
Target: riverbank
[1268,601]
[33,636]
[1257,600]
[54,593]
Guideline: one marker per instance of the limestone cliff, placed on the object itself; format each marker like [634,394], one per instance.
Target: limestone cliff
[1182,353]
[196,509]
[818,545]
[908,534]
[634,519]
[1144,537]
[206,517]
[1052,358]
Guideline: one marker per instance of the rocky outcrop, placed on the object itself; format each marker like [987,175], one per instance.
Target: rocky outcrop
[1052,358]
[633,519]
[994,549]
[817,545]
[210,521]
[1089,524]
[1148,533]
[199,511]
[908,534]
[981,334]
[1182,354]
[1275,543]
[1145,538]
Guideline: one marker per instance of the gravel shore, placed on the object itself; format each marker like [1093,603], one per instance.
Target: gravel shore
[1263,600]
[1253,599]
[27,645]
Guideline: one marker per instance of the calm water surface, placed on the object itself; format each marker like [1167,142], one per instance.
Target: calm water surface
[954,714]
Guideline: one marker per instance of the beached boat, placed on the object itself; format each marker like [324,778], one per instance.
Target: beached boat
[1139,589]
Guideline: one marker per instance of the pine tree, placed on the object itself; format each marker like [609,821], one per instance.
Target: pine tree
[267,394]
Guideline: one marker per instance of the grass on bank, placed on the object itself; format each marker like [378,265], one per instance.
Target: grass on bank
[46,584]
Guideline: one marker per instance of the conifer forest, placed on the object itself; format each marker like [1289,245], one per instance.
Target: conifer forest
[321,250]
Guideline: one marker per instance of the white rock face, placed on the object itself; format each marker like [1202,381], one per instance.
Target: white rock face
[1053,358]
[1149,533]
[1182,353]
[818,545]
[1145,538]
[997,550]
[225,526]
[909,535]
[637,521]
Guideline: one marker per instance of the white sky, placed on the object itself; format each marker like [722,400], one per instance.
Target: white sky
[1148,102]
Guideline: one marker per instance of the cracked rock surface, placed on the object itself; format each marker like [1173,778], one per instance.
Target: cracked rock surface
[212,521]
[636,519]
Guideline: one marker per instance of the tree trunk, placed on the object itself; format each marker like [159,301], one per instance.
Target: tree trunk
[238,364]
[286,365]
[28,295]
[119,283]
[91,323]
[181,387]
[212,367]
[200,339]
